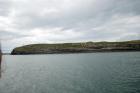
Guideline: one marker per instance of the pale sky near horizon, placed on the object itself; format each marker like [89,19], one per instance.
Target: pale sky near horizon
[56,21]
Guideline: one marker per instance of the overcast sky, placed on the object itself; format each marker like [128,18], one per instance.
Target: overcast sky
[55,21]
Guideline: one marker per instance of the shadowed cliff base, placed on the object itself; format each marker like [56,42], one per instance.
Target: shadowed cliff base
[82,47]
[0,60]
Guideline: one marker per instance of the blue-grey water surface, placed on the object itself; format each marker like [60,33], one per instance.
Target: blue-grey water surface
[71,73]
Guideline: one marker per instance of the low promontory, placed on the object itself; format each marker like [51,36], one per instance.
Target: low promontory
[82,47]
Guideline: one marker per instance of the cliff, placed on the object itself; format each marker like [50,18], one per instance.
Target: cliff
[78,47]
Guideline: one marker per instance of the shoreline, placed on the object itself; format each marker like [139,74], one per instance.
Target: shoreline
[81,47]
[77,52]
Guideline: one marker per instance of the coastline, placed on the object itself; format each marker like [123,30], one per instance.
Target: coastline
[78,52]
[81,47]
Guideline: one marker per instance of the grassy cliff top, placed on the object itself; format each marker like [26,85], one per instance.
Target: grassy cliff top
[135,44]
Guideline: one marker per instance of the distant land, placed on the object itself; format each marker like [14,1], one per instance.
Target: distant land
[81,47]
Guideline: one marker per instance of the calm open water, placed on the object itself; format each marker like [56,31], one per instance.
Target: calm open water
[71,73]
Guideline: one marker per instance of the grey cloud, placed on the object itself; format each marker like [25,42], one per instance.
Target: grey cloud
[128,7]
[6,35]
[5,6]
[99,13]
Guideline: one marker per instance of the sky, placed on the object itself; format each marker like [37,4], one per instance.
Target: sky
[25,22]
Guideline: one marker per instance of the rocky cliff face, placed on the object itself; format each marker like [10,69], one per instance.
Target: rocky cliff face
[78,47]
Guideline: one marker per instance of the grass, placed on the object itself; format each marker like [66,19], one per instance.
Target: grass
[135,44]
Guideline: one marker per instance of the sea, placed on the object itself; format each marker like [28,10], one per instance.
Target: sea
[114,72]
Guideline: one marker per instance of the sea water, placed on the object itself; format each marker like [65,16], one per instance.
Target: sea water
[117,72]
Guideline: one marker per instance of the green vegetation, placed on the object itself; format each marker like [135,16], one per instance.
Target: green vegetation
[78,47]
